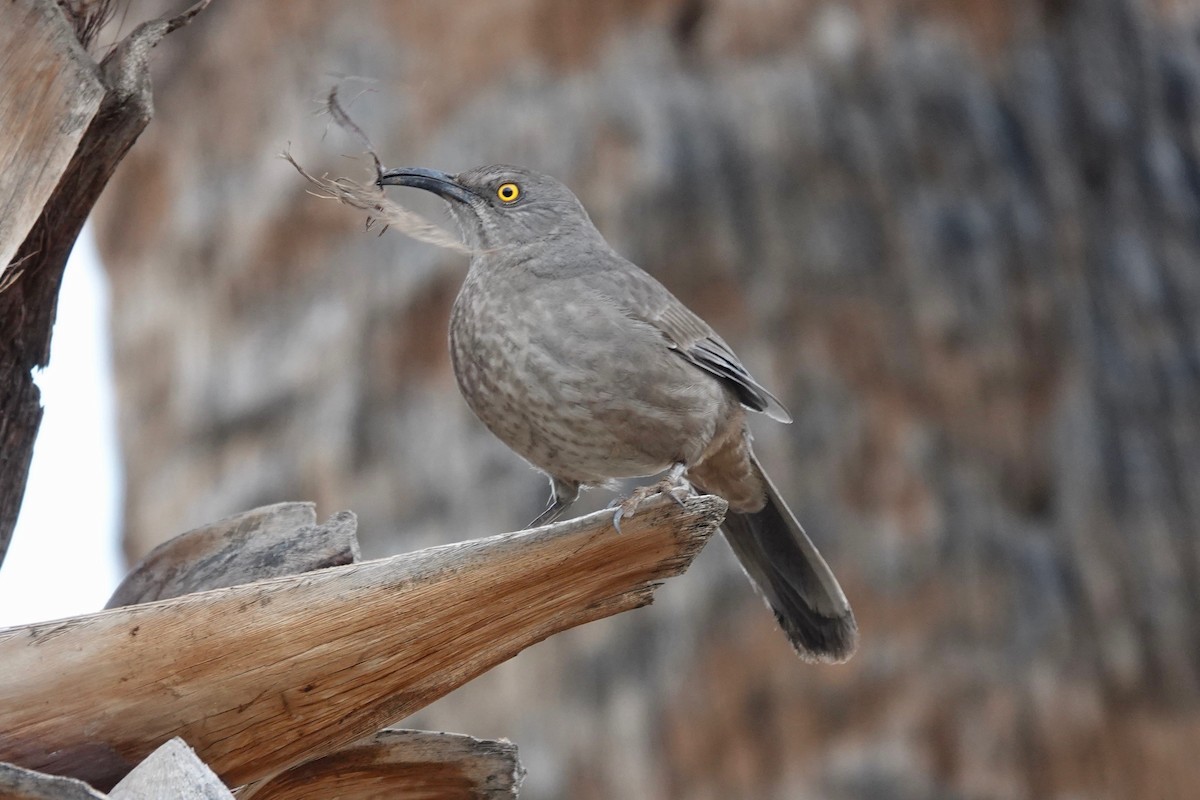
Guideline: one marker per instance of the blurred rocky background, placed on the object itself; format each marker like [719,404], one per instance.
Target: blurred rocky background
[961,240]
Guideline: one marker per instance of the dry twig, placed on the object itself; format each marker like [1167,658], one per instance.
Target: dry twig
[371,198]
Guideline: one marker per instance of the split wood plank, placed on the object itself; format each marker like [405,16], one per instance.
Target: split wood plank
[402,765]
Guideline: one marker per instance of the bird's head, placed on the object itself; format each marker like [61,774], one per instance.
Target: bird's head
[500,206]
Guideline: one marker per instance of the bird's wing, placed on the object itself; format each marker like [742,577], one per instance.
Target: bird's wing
[691,337]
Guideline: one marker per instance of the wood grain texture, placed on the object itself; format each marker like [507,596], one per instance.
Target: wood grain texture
[403,765]
[268,542]
[172,771]
[261,677]
[51,93]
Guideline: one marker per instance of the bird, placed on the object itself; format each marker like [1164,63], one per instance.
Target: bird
[592,371]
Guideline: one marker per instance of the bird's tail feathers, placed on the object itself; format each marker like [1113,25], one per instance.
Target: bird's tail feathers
[793,578]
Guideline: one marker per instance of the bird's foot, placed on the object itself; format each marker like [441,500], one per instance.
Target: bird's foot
[672,485]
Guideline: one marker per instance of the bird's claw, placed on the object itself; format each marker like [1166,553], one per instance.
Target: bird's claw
[627,507]
[679,494]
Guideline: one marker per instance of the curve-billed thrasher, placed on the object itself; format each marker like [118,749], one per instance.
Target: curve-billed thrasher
[591,370]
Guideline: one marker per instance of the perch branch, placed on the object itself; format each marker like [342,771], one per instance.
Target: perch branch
[258,678]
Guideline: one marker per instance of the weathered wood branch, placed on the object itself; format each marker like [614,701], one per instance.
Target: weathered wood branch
[268,542]
[403,765]
[51,94]
[258,678]
[68,122]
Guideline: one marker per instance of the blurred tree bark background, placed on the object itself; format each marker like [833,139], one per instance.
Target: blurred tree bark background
[960,239]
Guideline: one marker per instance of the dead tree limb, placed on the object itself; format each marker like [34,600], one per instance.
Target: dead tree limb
[261,677]
[68,122]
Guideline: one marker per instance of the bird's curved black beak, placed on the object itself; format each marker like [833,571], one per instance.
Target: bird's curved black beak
[431,180]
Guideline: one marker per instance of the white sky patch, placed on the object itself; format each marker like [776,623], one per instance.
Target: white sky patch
[64,557]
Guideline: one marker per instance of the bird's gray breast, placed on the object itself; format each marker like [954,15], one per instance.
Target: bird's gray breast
[570,382]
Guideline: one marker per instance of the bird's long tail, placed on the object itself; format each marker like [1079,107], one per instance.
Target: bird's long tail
[788,571]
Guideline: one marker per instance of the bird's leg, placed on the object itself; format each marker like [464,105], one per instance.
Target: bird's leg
[673,485]
[562,495]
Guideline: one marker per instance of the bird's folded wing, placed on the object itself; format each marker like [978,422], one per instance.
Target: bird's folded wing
[693,339]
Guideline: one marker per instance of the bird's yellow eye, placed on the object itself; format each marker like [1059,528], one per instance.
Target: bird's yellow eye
[508,192]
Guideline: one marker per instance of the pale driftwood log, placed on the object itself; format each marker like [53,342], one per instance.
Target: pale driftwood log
[18,783]
[268,542]
[404,765]
[67,123]
[172,771]
[261,677]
